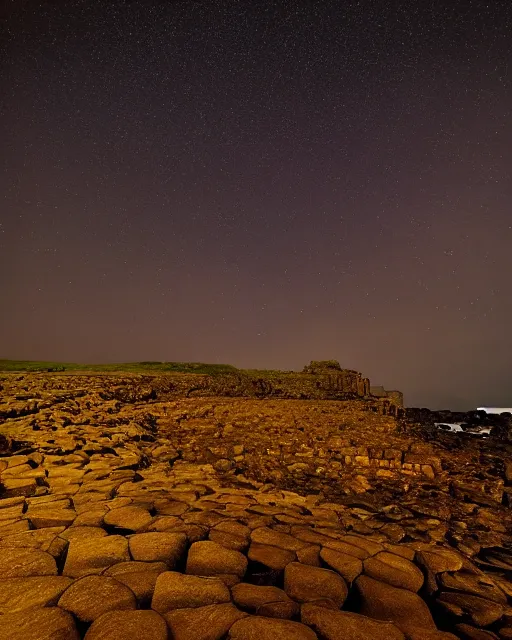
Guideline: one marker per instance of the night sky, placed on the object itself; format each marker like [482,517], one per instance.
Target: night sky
[262,184]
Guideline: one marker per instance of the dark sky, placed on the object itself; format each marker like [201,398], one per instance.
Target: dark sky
[262,184]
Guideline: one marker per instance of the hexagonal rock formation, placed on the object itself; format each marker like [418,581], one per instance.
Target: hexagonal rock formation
[117,525]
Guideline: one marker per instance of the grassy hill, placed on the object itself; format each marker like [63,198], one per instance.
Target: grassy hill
[135,367]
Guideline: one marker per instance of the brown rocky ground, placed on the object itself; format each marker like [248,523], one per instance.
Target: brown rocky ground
[130,511]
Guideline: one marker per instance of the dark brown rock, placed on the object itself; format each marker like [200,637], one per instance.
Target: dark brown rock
[342,625]
[304,583]
[385,602]
[211,622]
[259,628]
[128,625]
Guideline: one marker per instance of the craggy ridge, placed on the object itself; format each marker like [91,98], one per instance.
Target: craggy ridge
[185,506]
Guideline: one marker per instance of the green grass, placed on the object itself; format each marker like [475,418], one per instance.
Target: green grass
[129,367]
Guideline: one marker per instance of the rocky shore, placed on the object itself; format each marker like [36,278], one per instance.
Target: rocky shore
[131,510]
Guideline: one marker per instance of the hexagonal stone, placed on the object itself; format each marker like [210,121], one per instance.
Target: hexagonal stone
[265,535]
[439,560]
[140,577]
[83,533]
[474,584]
[482,612]
[395,570]
[342,625]
[349,567]
[381,601]
[19,563]
[251,596]
[49,623]
[19,486]
[259,628]
[158,547]
[128,625]
[49,517]
[90,597]
[178,591]
[207,558]
[271,557]
[305,583]
[17,594]
[93,555]
[129,518]
[203,623]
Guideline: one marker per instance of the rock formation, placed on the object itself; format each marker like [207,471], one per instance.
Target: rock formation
[149,507]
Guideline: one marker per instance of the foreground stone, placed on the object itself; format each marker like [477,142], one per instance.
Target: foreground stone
[92,596]
[207,558]
[17,594]
[257,628]
[341,625]
[177,591]
[304,583]
[51,623]
[203,623]
[158,547]
[20,563]
[128,625]
[384,602]
[94,555]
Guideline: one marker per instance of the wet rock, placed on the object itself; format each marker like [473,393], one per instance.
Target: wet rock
[304,583]
[128,625]
[349,567]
